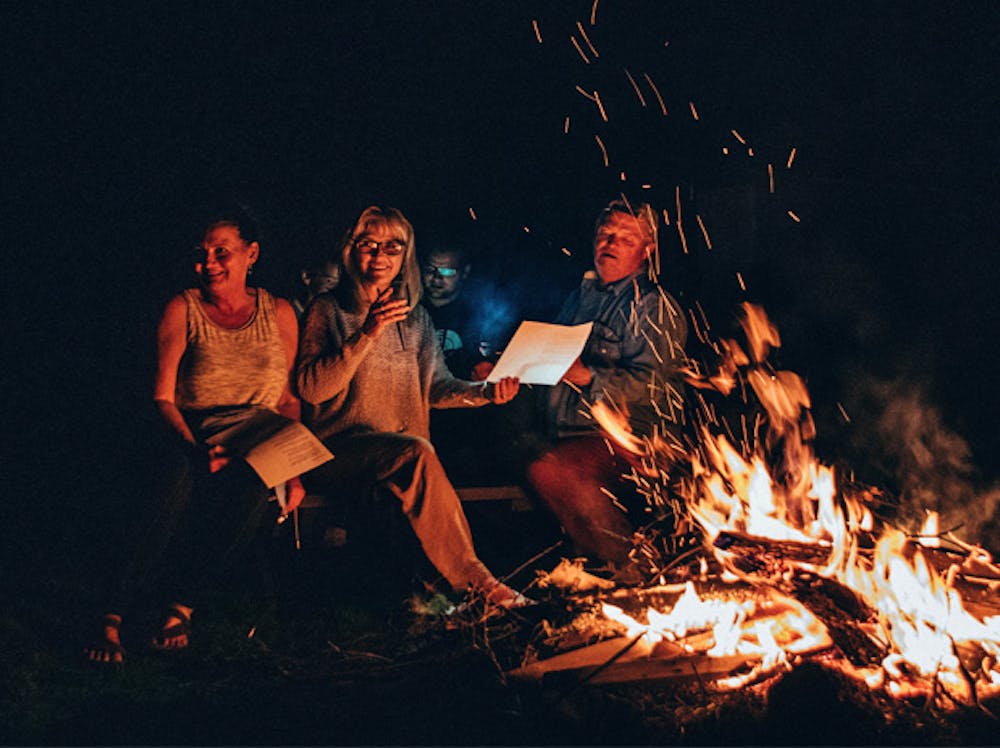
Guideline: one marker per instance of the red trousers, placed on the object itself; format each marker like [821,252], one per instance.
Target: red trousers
[568,478]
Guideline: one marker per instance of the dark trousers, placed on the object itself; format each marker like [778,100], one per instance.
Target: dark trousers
[200,526]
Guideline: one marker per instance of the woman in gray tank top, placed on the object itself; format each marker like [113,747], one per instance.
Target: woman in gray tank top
[224,353]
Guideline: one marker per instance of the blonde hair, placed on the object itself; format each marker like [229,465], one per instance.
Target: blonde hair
[410,286]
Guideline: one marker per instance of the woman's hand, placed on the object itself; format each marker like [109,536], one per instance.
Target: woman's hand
[384,312]
[505,390]
[294,493]
[218,458]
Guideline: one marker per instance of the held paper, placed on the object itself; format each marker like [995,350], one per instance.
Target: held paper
[540,353]
[277,448]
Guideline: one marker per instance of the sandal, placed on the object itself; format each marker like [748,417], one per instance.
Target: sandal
[105,648]
[181,627]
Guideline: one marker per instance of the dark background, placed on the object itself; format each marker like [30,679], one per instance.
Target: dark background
[120,120]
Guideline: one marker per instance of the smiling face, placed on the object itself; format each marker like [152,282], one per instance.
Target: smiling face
[378,254]
[223,258]
[621,247]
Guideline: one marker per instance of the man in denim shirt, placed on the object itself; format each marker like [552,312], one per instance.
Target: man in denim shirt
[631,361]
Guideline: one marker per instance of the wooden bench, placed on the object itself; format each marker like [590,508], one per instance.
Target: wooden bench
[336,536]
[518,499]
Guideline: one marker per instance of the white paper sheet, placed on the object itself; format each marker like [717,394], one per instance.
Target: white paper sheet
[277,448]
[540,353]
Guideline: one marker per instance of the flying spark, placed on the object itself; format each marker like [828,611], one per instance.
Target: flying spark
[472,213]
[770,178]
[538,34]
[586,38]
[693,108]
[604,151]
[635,86]
[684,241]
[600,106]
[704,231]
[656,91]
[738,137]
[593,14]
[791,214]
[843,412]
[791,157]
[579,49]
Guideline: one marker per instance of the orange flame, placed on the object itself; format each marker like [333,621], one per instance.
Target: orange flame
[920,616]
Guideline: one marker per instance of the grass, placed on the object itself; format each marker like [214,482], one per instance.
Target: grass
[338,658]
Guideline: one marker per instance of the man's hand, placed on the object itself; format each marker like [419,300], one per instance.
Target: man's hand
[578,374]
[294,493]
[505,390]
[384,313]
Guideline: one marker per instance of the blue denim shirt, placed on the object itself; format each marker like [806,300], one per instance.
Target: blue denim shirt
[635,352]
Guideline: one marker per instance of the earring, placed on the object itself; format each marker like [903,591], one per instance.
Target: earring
[250,270]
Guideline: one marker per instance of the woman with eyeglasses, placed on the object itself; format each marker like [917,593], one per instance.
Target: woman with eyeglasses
[369,370]
[224,354]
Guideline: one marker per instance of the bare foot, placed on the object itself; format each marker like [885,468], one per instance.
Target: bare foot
[175,628]
[106,646]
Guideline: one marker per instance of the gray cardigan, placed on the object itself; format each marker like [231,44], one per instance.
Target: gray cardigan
[349,381]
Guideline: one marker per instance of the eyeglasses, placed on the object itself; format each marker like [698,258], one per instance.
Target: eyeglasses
[433,270]
[390,247]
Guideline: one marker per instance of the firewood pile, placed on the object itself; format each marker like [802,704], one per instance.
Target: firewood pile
[667,634]
[788,575]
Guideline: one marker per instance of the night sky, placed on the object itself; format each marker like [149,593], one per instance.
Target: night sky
[120,120]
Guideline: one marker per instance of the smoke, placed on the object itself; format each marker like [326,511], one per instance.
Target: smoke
[494,312]
[932,464]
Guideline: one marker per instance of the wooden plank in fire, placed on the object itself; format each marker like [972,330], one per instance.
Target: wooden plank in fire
[613,661]
[586,659]
[678,668]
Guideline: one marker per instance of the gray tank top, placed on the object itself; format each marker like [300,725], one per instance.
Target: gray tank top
[232,369]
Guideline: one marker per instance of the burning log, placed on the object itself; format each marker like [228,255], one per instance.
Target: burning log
[778,564]
[765,557]
[842,612]
[977,583]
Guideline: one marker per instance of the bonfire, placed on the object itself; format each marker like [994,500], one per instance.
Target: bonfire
[791,563]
